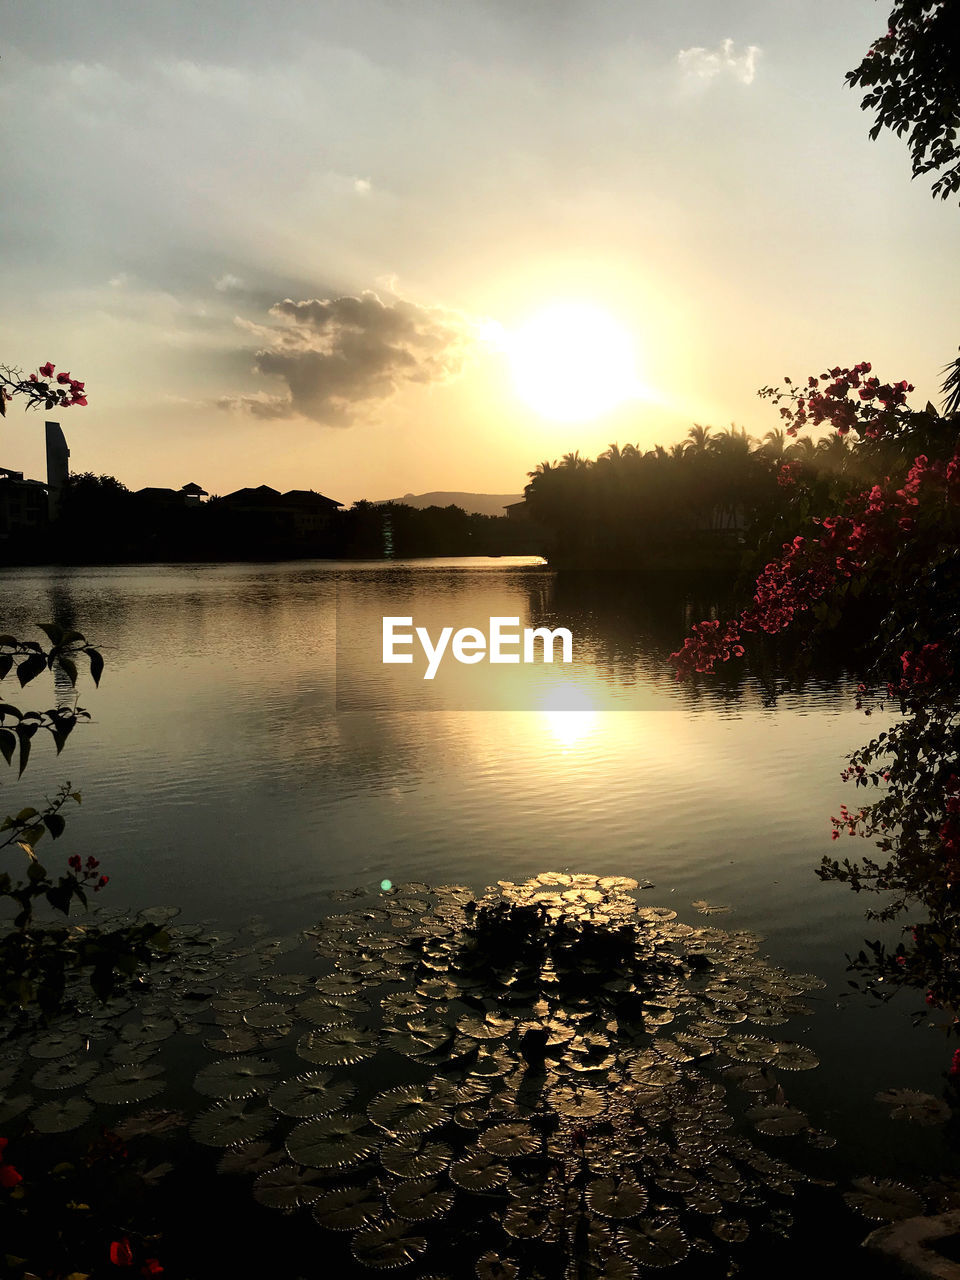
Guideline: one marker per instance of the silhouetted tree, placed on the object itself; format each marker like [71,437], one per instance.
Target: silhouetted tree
[912,79]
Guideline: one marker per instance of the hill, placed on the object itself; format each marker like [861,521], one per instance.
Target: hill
[483,504]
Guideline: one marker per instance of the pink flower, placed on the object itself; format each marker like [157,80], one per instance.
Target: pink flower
[47,369]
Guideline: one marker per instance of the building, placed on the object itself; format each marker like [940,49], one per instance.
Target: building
[58,466]
[24,507]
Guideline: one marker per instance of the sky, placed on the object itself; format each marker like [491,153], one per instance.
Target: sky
[376,248]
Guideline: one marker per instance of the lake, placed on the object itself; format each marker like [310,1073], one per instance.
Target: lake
[249,753]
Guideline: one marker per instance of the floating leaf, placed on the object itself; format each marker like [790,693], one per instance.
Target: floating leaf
[315,1093]
[525,1220]
[508,1140]
[287,1187]
[883,1200]
[268,1015]
[235,1078]
[250,1157]
[794,1057]
[57,1045]
[778,1121]
[490,1266]
[620,1197]
[408,1109]
[387,1246]
[908,1104]
[233,1122]
[348,1208]
[654,1244]
[338,1046]
[578,1104]
[479,1171]
[420,1200]
[408,1159]
[149,1124]
[61,1117]
[133,1083]
[331,1142]
[66,1073]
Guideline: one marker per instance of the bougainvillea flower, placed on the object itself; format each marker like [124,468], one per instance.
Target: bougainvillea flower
[121,1255]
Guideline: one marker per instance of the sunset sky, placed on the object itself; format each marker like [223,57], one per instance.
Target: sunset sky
[372,248]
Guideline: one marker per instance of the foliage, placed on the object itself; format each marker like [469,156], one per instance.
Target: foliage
[896,543]
[691,506]
[40,389]
[912,80]
[35,957]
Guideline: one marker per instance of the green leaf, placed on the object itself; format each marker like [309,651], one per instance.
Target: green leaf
[55,824]
[25,814]
[30,668]
[96,664]
[69,666]
[7,709]
[24,734]
[53,631]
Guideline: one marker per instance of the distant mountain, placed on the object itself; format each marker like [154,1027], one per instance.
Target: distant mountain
[484,504]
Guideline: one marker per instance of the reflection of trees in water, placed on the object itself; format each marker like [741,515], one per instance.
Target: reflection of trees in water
[627,626]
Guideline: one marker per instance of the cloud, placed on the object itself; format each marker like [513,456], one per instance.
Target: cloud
[707,64]
[226,282]
[338,354]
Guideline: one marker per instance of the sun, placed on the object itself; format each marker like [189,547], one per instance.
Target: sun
[572,361]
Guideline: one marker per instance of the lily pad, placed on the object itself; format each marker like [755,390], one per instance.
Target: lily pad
[235,1078]
[133,1083]
[479,1171]
[654,1244]
[408,1159]
[617,1198]
[883,1200]
[331,1142]
[287,1187]
[338,1046]
[348,1208]
[408,1109]
[61,1117]
[388,1245]
[229,1123]
[420,1200]
[507,1140]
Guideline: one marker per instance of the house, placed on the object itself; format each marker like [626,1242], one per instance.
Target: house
[23,504]
[300,511]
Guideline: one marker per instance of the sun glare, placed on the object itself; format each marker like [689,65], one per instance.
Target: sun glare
[572,361]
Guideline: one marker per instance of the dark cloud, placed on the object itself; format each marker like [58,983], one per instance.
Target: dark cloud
[336,354]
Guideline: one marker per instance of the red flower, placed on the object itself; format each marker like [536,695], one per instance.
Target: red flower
[3,1146]
[74,862]
[121,1255]
[100,883]
[955,1065]
[151,1268]
[63,377]
[9,1177]
[47,369]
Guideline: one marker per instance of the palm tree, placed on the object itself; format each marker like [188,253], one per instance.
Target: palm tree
[775,444]
[698,439]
